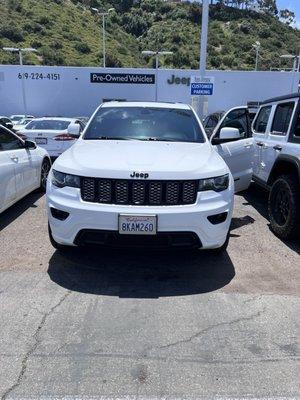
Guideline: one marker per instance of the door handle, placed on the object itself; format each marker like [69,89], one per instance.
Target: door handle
[277,147]
[249,144]
[14,158]
[260,144]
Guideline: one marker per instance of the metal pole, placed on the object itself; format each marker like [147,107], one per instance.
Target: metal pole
[256,61]
[103,37]
[23,83]
[204,34]
[203,52]
[20,57]
[156,78]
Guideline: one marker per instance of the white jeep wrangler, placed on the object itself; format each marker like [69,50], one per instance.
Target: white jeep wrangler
[276,132]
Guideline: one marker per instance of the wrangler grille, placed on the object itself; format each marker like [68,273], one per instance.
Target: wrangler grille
[139,193]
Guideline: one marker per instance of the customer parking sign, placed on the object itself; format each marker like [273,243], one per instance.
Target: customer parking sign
[202,86]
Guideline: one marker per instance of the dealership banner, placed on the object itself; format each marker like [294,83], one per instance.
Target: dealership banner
[141,79]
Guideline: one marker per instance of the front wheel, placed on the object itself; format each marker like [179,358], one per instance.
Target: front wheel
[45,169]
[284,207]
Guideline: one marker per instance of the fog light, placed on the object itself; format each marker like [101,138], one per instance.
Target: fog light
[59,214]
[217,218]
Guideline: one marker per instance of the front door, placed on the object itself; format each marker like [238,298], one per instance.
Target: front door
[7,173]
[238,154]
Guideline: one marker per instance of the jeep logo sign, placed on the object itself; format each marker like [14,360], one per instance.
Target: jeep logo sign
[139,175]
[177,80]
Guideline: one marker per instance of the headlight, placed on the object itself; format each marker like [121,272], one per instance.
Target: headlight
[61,180]
[217,184]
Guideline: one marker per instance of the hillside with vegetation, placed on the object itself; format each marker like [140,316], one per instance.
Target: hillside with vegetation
[66,32]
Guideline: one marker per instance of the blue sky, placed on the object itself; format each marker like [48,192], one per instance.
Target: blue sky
[293,5]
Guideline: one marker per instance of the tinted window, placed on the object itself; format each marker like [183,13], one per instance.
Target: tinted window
[297,126]
[49,124]
[262,120]
[145,123]
[8,141]
[211,122]
[282,118]
[237,119]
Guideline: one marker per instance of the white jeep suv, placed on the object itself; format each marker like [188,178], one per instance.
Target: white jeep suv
[144,174]
[276,132]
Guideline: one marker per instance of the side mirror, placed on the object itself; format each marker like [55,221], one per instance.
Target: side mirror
[9,125]
[74,130]
[229,134]
[29,145]
[226,135]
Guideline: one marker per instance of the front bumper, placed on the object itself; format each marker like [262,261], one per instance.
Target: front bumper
[84,216]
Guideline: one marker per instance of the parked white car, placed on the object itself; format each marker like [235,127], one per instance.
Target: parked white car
[18,117]
[21,124]
[24,167]
[146,174]
[52,133]
[276,131]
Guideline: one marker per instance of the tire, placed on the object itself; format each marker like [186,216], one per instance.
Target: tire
[46,166]
[284,207]
[60,247]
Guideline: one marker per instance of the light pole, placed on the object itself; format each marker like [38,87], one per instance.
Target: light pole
[157,54]
[203,53]
[103,15]
[20,52]
[256,47]
[296,65]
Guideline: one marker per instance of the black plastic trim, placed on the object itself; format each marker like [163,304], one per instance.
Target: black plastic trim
[287,159]
[97,237]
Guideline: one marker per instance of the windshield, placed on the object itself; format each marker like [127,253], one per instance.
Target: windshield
[24,121]
[141,123]
[15,118]
[49,124]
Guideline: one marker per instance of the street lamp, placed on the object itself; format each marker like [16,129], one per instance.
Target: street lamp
[103,15]
[296,66]
[157,54]
[20,51]
[202,101]
[256,47]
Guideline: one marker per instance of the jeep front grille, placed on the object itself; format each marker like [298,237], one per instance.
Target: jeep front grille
[138,192]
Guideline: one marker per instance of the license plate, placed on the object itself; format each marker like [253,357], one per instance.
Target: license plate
[137,224]
[40,140]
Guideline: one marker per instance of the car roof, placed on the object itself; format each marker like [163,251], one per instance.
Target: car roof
[281,98]
[55,118]
[150,104]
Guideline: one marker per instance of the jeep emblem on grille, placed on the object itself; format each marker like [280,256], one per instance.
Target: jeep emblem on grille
[139,175]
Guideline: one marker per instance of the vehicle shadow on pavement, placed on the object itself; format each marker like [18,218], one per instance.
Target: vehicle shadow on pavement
[14,212]
[140,274]
[258,198]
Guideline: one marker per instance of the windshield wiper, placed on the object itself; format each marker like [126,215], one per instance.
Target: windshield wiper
[156,139]
[111,138]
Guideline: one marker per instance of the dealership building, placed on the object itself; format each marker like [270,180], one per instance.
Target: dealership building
[76,91]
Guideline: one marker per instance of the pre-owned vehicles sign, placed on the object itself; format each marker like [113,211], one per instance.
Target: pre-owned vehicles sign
[144,79]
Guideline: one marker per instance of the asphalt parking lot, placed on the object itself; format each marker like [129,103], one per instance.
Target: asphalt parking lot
[147,324]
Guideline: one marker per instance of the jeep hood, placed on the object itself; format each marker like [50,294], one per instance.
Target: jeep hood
[161,160]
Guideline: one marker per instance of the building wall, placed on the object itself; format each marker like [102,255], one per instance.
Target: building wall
[69,91]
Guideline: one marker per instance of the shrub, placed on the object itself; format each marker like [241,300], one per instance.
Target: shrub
[83,48]
[12,33]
